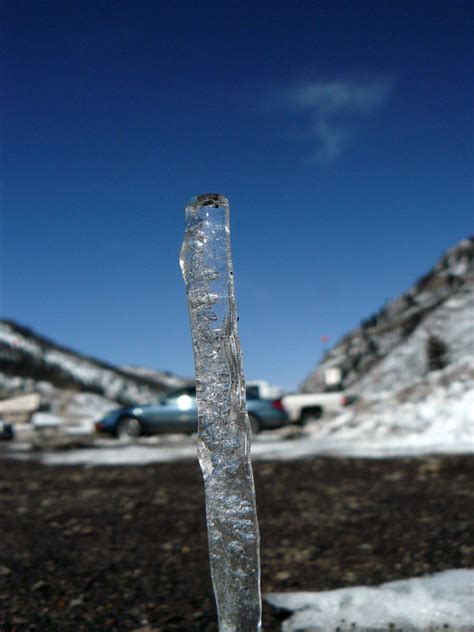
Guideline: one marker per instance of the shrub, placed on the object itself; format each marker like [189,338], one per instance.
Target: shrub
[437,353]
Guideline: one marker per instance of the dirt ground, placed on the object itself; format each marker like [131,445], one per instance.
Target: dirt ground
[124,548]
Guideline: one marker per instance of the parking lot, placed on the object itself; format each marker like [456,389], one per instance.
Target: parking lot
[123,548]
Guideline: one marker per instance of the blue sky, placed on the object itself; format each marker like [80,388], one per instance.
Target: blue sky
[341,132]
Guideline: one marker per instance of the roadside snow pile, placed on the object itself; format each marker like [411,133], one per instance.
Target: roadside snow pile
[436,602]
[436,409]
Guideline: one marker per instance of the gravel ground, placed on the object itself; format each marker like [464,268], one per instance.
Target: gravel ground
[124,548]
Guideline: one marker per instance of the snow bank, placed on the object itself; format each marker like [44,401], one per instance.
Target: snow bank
[437,409]
[116,453]
[433,602]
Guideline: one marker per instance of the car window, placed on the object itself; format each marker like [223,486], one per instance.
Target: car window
[252,392]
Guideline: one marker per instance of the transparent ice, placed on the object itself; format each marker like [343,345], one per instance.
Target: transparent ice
[224,435]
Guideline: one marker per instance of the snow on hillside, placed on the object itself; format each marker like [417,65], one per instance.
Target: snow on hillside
[28,362]
[67,404]
[437,409]
[396,346]
[412,365]
[452,322]
[159,377]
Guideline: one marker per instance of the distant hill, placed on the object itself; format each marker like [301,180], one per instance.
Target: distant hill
[30,362]
[156,377]
[428,328]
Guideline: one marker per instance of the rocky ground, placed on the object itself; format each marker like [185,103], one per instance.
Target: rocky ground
[124,548]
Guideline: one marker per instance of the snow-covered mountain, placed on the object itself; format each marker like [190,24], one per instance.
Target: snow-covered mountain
[413,366]
[29,362]
[428,328]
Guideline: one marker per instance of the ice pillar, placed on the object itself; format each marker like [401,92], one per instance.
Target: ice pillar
[224,434]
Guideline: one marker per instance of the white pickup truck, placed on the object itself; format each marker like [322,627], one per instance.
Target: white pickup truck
[303,407]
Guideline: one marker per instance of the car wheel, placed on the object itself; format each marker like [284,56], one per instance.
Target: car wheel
[310,414]
[129,428]
[254,424]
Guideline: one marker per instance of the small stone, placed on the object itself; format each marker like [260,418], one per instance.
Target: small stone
[39,585]
[4,570]
[282,575]
[74,603]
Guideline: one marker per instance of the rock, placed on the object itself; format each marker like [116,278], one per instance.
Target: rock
[74,603]
[39,585]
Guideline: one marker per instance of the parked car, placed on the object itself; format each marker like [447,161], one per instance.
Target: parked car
[6,431]
[177,412]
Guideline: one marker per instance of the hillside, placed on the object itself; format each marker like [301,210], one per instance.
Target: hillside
[29,362]
[426,329]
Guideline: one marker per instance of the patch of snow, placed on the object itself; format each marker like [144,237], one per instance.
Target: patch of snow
[86,406]
[436,409]
[424,603]
[67,404]
[452,322]
[14,340]
[304,449]
[117,453]
[45,420]
[120,455]
[80,427]
[170,380]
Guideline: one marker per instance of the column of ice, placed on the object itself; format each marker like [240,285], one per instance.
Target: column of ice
[224,432]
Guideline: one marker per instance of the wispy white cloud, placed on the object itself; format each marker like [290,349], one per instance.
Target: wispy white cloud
[334,107]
